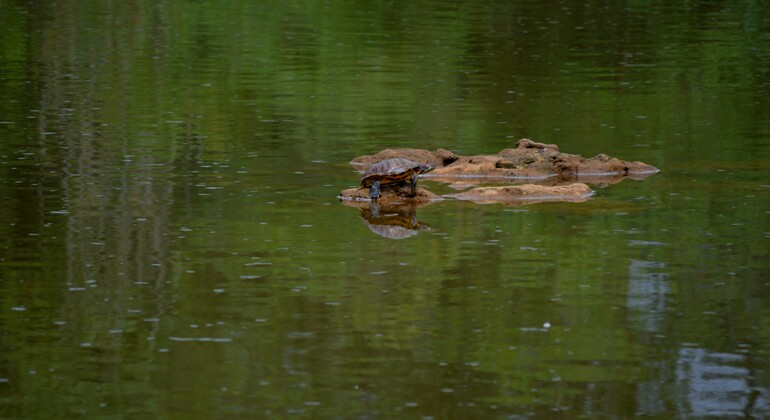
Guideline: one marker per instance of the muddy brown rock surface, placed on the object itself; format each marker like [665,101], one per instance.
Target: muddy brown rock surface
[551,175]
[529,160]
[526,194]
[390,194]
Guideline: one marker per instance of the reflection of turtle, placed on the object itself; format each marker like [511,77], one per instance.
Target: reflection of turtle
[391,172]
[400,224]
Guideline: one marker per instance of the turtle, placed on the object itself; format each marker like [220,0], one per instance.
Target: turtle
[393,171]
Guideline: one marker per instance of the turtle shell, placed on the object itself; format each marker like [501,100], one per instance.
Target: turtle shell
[392,171]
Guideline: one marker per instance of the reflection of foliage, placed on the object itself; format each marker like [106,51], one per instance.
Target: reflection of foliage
[149,138]
[317,70]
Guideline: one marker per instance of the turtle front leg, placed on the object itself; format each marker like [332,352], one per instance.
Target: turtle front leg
[414,184]
[374,191]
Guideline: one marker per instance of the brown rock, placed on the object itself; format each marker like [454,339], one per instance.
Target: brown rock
[529,160]
[519,166]
[529,144]
[390,195]
[526,194]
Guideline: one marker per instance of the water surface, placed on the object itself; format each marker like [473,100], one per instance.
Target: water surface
[173,245]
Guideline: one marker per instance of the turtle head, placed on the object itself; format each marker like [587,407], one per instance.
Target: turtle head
[426,167]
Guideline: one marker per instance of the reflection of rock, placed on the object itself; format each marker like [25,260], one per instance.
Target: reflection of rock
[391,194]
[526,194]
[529,160]
[393,222]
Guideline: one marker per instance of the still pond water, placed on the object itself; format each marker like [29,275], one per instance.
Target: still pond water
[172,244]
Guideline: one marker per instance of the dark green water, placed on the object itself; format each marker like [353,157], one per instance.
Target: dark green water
[172,245]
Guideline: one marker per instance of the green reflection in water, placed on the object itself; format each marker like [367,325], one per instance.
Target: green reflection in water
[173,243]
